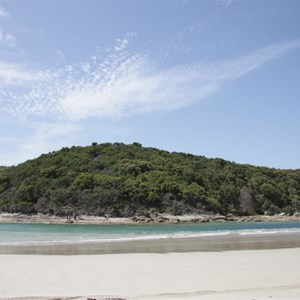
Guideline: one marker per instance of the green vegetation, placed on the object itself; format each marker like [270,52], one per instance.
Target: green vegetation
[126,180]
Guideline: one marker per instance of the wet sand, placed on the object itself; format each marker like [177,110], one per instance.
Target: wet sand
[208,244]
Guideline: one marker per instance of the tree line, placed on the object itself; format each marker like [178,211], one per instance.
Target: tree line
[127,180]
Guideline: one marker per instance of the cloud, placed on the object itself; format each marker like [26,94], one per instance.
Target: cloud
[3,13]
[61,56]
[9,139]
[122,44]
[113,85]
[14,74]
[46,136]
[124,84]
[224,2]
[7,39]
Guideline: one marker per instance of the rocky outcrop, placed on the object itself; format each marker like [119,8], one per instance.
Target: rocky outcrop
[152,219]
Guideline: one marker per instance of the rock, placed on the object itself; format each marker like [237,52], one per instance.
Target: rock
[282,214]
[268,213]
[219,217]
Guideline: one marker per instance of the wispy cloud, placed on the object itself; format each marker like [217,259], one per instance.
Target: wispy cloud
[45,136]
[18,75]
[124,84]
[122,44]
[9,139]
[7,39]
[60,55]
[224,2]
[3,13]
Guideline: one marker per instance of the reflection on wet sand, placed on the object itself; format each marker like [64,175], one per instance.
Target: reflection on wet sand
[223,243]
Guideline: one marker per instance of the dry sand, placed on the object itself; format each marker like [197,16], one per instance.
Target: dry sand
[248,274]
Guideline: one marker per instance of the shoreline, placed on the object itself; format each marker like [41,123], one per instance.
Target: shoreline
[18,218]
[222,267]
[231,242]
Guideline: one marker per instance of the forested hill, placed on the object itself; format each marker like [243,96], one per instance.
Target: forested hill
[126,180]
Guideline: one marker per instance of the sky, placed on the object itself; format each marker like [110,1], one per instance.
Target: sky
[214,78]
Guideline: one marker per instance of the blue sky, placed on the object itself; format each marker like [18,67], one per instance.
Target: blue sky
[213,78]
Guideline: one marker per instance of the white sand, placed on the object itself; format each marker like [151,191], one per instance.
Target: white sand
[256,274]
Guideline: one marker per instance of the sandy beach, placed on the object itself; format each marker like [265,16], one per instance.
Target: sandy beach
[254,274]
[231,266]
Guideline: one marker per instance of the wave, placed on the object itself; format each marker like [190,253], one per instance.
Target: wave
[77,240]
[270,231]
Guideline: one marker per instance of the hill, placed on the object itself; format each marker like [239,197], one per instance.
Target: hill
[126,180]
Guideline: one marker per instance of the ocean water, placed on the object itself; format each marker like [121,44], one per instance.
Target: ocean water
[35,234]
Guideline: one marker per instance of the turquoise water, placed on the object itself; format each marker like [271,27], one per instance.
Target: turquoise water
[14,234]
